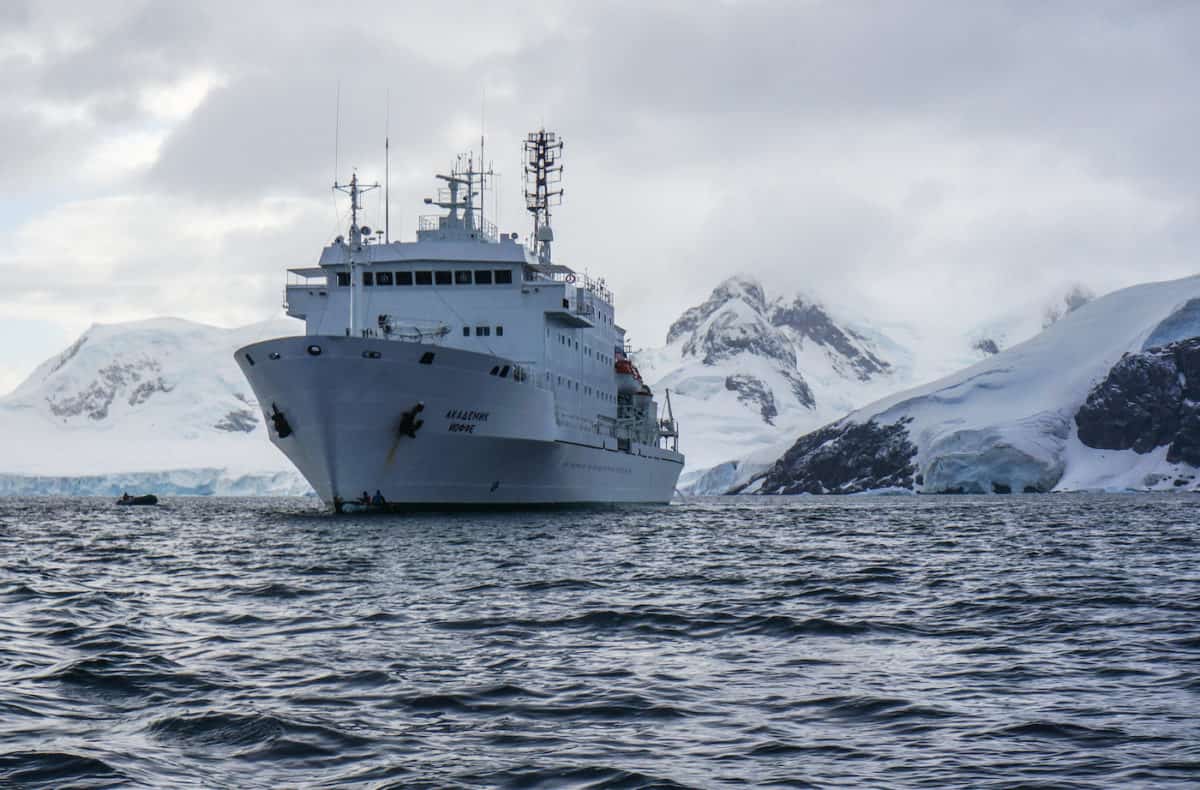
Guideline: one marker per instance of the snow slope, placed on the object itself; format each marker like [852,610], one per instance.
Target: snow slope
[1008,422]
[150,404]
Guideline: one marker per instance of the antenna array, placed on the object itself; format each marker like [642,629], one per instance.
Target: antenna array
[543,186]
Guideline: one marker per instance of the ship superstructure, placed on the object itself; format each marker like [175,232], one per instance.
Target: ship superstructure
[465,367]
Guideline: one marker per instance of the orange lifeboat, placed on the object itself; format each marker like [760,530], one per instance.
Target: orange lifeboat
[629,380]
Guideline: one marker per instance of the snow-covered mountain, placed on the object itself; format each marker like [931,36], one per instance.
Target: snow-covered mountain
[746,372]
[156,404]
[1106,397]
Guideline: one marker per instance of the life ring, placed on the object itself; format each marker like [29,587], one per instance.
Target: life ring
[570,278]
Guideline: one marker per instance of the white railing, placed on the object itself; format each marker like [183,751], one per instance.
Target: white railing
[436,223]
[306,281]
[583,284]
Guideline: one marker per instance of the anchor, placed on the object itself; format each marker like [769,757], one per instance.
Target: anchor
[282,427]
[409,424]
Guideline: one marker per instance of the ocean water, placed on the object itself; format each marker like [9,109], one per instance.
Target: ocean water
[791,642]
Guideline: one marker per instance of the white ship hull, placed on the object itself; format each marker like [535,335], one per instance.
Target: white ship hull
[484,440]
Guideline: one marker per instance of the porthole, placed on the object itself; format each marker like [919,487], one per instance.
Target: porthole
[371,355]
[315,350]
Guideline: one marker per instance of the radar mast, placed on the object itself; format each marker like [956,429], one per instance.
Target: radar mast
[355,191]
[543,186]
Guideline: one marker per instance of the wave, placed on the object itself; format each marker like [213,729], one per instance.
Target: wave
[56,769]
[666,623]
[222,728]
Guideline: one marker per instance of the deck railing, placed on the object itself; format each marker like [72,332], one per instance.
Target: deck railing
[433,223]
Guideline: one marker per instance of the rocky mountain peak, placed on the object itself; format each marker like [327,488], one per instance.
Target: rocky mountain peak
[740,288]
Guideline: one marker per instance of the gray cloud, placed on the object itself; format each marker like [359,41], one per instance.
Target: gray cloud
[919,161]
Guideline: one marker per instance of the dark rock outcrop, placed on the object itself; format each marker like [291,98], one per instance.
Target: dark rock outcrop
[800,388]
[752,391]
[1072,300]
[1148,399]
[1185,447]
[810,321]
[987,346]
[845,458]
[140,379]
[242,420]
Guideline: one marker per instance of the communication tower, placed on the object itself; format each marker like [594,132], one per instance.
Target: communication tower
[543,186]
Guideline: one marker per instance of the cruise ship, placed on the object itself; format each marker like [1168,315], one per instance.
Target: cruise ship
[463,369]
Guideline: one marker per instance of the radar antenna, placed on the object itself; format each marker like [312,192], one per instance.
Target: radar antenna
[543,180]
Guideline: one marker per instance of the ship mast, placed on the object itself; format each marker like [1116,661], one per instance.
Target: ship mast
[543,179]
[355,191]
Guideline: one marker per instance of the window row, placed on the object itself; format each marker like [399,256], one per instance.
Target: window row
[570,384]
[588,351]
[438,277]
[483,331]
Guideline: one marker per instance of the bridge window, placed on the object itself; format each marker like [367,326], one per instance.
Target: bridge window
[403,278]
[462,278]
[499,331]
[483,277]
[466,331]
[441,278]
[424,278]
[483,331]
[503,276]
[343,279]
[504,372]
[383,278]
[368,278]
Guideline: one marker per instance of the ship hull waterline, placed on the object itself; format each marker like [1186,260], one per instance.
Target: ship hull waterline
[434,427]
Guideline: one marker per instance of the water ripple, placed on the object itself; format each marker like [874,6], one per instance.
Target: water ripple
[799,642]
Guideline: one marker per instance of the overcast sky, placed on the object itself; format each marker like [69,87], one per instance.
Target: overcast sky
[929,162]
